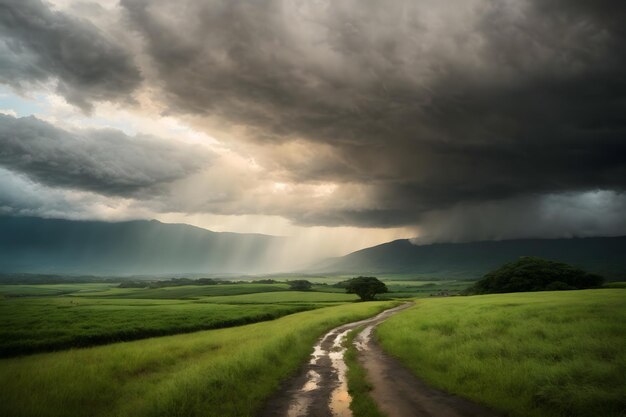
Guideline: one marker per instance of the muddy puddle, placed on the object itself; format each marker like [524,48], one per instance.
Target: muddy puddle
[321,389]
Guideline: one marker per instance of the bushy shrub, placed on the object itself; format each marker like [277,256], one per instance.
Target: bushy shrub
[299,285]
[535,274]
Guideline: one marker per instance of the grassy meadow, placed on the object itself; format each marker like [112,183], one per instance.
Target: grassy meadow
[45,290]
[526,354]
[187,291]
[285,297]
[41,324]
[225,372]
[37,318]
[420,289]
[223,349]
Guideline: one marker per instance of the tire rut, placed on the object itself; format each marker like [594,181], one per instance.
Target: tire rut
[320,388]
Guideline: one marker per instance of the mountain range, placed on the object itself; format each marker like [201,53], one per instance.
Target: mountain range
[53,246]
[603,255]
[36,245]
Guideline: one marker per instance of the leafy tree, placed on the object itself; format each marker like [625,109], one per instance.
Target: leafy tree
[299,285]
[365,287]
[535,274]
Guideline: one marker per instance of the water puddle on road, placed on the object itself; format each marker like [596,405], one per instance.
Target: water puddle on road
[325,380]
[318,352]
[301,402]
[340,399]
[312,382]
[363,338]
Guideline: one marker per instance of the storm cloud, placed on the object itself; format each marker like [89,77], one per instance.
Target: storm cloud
[39,45]
[104,161]
[345,113]
[430,104]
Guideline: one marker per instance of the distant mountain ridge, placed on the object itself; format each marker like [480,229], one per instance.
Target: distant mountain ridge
[602,255]
[37,245]
[148,247]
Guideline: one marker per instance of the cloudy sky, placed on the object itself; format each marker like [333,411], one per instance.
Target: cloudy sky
[341,123]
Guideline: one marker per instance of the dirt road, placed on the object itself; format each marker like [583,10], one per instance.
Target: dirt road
[399,393]
[320,389]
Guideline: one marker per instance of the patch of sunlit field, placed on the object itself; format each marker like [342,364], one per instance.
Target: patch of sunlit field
[419,289]
[405,288]
[285,297]
[52,289]
[188,291]
[527,354]
[51,323]
[225,372]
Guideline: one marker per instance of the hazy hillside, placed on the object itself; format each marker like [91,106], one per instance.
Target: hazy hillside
[606,256]
[29,244]
[35,245]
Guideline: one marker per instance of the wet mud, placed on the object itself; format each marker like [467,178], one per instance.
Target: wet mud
[320,388]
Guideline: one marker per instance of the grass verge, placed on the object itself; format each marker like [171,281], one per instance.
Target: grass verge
[362,404]
[527,354]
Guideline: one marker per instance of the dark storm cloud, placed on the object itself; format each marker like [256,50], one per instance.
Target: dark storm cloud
[429,104]
[105,161]
[595,213]
[38,44]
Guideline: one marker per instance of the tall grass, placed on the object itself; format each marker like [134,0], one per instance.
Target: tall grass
[528,354]
[227,372]
[43,324]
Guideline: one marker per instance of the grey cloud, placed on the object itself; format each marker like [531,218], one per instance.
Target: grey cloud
[20,196]
[593,213]
[38,44]
[23,197]
[431,104]
[104,161]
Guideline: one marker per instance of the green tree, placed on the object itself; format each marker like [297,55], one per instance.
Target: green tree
[535,274]
[365,287]
[299,285]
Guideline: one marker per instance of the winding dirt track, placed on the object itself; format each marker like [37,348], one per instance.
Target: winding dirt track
[320,389]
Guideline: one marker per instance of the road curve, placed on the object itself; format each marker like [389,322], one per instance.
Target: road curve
[320,388]
[399,393]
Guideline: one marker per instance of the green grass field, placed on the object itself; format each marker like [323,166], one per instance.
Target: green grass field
[43,290]
[39,318]
[285,297]
[420,289]
[186,291]
[400,286]
[526,354]
[226,372]
[41,324]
